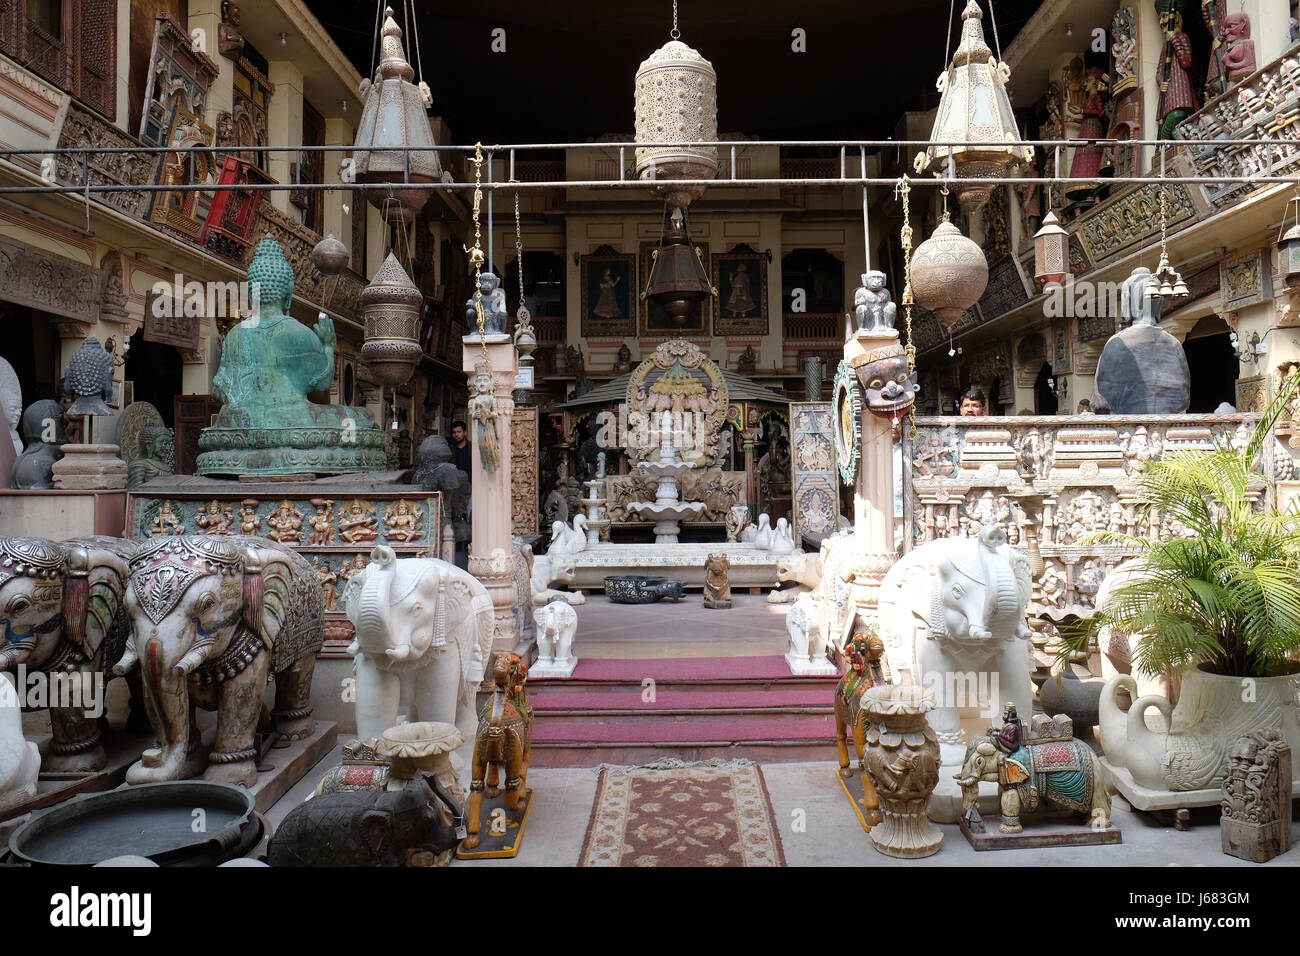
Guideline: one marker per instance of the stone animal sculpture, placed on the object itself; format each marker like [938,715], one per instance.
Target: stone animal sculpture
[503,742]
[1188,749]
[89,379]
[957,606]
[213,619]
[871,306]
[803,625]
[495,313]
[33,469]
[20,761]
[763,533]
[568,539]
[802,567]
[405,827]
[550,569]
[863,653]
[1062,773]
[423,631]
[717,581]
[62,614]
[557,623]
[782,538]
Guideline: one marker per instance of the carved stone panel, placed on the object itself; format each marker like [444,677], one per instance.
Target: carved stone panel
[1128,219]
[816,489]
[81,128]
[523,470]
[48,281]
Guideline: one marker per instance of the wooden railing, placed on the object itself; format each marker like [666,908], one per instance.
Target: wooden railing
[812,326]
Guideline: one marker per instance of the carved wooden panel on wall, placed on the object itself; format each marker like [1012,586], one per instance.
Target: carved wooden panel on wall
[816,486]
[523,470]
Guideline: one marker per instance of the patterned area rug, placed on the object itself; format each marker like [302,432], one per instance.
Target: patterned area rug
[682,814]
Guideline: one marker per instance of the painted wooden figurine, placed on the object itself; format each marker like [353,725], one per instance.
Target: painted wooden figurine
[863,652]
[504,739]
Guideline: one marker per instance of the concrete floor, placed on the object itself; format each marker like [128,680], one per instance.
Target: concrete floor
[831,835]
[750,627]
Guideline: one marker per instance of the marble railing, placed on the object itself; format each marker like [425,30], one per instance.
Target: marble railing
[968,473]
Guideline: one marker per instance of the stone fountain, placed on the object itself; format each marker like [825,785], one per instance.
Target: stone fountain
[667,510]
[597,523]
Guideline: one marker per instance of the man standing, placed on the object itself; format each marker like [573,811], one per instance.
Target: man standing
[460,448]
[972,404]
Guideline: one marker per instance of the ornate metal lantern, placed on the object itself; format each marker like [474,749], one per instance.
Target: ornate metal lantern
[392,304]
[1051,252]
[949,273]
[676,102]
[329,256]
[678,279]
[974,108]
[1288,252]
[392,122]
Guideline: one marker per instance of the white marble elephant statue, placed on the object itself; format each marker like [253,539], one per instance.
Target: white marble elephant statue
[557,622]
[952,615]
[423,632]
[20,761]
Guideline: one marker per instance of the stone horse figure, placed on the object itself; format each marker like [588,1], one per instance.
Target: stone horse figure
[504,741]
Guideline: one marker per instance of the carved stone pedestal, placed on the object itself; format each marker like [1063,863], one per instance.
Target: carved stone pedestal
[89,468]
[491,558]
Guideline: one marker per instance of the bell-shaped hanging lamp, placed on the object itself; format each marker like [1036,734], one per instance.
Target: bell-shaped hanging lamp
[1051,252]
[391,304]
[974,109]
[678,280]
[677,102]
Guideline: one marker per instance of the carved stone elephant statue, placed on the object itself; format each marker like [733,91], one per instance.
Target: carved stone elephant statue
[213,618]
[20,761]
[1065,774]
[422,625]
[368,828]
[557,622]
[62,615]
[952,614]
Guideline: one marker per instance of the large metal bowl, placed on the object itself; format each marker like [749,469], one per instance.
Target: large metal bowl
[161,821]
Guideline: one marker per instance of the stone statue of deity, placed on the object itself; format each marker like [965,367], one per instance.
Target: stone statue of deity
[494,306]
[269,364]
[871,304]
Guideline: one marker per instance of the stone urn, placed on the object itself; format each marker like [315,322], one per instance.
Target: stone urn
[1186,747]
[902,757]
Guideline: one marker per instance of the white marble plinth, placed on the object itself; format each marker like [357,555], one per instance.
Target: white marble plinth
[561,668]
[750,566]
[800,666]
[1119,780]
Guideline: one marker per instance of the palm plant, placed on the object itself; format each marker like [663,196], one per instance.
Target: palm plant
[1226,596]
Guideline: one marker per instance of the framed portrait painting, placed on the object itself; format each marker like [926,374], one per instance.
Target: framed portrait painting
[740,276]
[653,320]
[609,294]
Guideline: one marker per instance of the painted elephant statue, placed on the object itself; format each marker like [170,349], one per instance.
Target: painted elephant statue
[1063,774]
[503,742]
[62,615]
[368,828]
[214,618]
[20,761]
[952,615]
[421,627]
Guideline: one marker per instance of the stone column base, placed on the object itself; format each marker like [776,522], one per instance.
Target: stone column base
[89,468]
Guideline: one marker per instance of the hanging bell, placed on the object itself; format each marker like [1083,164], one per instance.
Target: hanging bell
[392,305]
[1165,288]
[1180,288]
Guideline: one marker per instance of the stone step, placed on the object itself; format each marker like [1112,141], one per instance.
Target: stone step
[615,701]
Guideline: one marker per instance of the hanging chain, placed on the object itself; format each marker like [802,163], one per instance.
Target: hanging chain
[904,189]
[476,257]
[674,32]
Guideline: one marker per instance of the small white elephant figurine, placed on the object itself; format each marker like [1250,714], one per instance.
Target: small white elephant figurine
[807,652]
[557,622]
[423,630]
[20,761]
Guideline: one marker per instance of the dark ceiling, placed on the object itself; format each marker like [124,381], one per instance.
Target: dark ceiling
[567,71]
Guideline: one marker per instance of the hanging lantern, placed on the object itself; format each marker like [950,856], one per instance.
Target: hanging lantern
[676,102]
[391,304]
[949,273]
[329,256]
[1288,247]
[393,122]
[974,108]
[1051,253]
[678,280]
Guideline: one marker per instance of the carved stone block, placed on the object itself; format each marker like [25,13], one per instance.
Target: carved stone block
[1256,822]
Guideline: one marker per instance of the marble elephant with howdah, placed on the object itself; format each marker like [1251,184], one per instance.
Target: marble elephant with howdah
[423,633]
[213,619]
[62,614]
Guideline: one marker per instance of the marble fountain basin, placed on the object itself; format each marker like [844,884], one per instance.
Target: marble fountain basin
[750,567]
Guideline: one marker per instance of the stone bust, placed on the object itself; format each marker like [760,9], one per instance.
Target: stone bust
[1143,369]
[33,467]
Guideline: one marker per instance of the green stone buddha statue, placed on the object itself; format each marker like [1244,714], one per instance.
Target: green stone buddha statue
[269,363]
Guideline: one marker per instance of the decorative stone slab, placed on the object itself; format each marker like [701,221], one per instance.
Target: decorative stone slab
[638,589]
[1037,834]
[89,468]
[316,519]
[1119,780]
[750,566]
[816,477]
